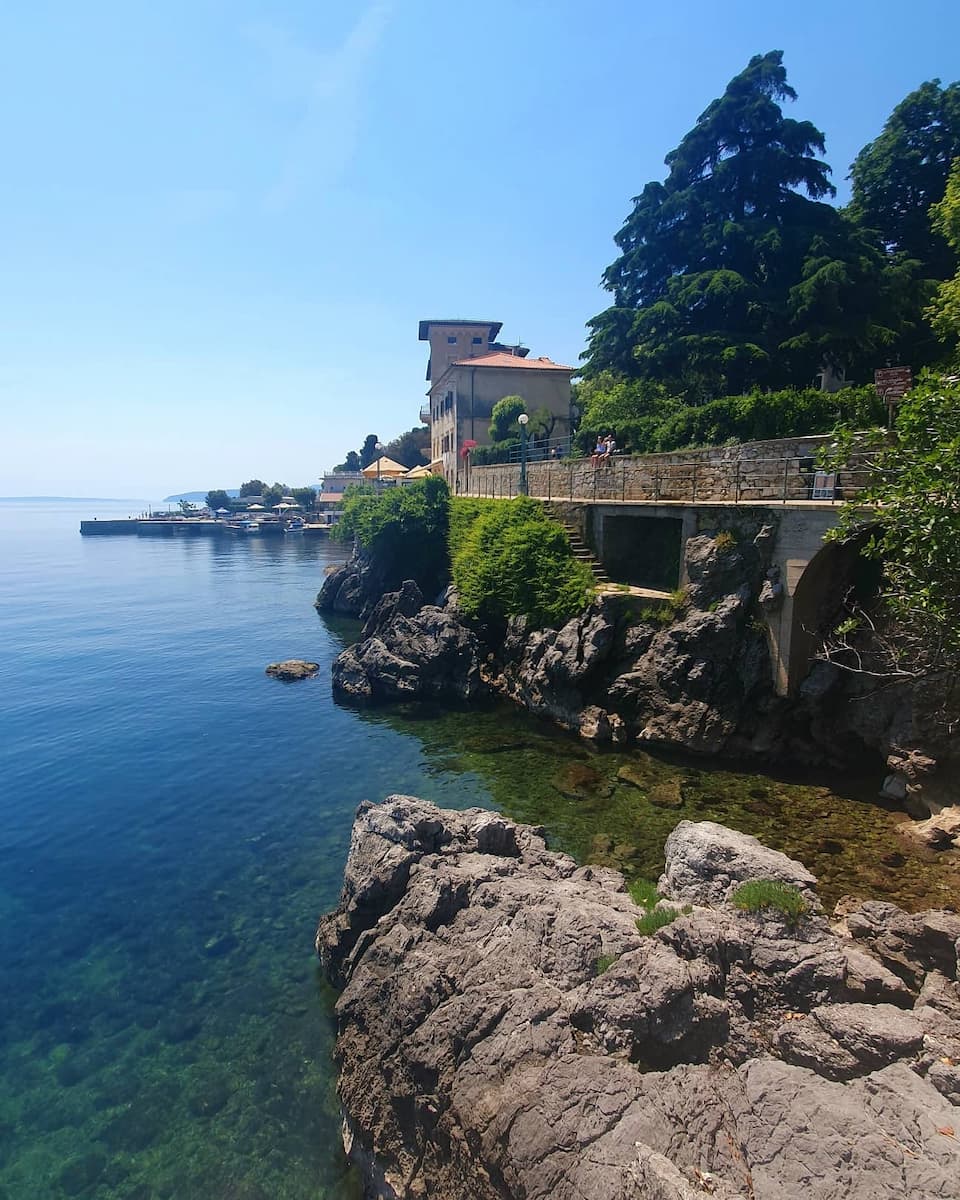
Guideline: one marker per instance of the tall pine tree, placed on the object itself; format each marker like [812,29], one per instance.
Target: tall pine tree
[704,287]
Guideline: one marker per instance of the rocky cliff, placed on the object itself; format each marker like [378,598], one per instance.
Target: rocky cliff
[693,674]
[506,1031]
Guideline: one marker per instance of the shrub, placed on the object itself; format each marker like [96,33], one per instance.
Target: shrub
[725,541]
[643,892]
[605,962]
[405,527]
[758,894]
[511,560]
[657,918]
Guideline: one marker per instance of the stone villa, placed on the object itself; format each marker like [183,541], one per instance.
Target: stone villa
[468,372]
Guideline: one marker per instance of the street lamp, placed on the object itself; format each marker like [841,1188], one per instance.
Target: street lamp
[523,419]
[378,446]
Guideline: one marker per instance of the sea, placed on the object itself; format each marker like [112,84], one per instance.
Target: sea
[173,821]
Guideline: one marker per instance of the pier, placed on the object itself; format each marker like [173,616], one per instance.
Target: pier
[184,527]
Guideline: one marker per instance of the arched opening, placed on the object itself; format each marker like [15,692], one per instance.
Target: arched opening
[837,575]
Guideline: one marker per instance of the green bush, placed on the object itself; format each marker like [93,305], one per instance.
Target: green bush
[646,420]
[643,892]
[510,560]
[758,894]
[406,527]
[605,962]
[657,918]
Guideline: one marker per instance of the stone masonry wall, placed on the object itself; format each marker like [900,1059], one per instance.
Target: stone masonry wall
[778,469]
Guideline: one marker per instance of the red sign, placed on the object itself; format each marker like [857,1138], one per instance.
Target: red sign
[893,382]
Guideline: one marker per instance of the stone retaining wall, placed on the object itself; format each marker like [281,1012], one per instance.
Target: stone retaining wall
[778,469]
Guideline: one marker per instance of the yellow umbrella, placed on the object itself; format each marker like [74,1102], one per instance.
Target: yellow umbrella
[384,468]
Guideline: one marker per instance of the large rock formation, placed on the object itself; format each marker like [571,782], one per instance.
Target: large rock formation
[409,650]
[506,1031]
[694,675]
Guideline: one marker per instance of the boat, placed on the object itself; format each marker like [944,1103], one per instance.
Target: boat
[245,528]
[295,525]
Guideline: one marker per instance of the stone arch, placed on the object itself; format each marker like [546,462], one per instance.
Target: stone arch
[818,597]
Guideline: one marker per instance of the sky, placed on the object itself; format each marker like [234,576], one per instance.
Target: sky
[222,220]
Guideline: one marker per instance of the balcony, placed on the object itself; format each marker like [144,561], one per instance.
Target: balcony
[425,414]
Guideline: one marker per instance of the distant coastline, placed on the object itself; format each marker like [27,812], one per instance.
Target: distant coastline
[79,499]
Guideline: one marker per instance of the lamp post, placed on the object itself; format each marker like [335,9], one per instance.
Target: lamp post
[523,419]
[379,449]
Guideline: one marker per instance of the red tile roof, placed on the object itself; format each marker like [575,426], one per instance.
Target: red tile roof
[501,359]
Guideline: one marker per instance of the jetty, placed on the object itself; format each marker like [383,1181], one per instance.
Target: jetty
[171,526]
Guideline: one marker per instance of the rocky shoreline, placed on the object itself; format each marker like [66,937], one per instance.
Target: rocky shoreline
[506,1030]
[694,676]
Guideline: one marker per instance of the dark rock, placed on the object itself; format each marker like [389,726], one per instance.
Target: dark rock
[292,669]
[908,944]
[482,1055]
[428,654]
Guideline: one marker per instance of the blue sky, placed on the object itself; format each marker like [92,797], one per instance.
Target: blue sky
[221,220]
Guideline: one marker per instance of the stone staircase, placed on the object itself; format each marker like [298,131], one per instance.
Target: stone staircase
[582,551]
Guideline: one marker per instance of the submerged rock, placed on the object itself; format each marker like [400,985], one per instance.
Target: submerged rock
[505,1030]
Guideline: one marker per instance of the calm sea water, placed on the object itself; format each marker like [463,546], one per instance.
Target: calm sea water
[172,822]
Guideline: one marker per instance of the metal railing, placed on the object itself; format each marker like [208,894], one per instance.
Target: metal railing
[785,479]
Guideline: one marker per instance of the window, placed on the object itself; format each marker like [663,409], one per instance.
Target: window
[451,341]
[477,341]
[448,402]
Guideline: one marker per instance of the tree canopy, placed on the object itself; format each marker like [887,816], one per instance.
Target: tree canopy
[898,175]
[914,527]
[944,312]
[411,448]
[736,273]
[253,487]
[368,451]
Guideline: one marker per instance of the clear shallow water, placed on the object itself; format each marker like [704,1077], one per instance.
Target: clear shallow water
[172,821]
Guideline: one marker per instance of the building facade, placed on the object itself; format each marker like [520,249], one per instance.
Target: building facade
[469,371]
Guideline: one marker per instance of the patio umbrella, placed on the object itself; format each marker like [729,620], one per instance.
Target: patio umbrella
[255,508]
[418,473]
[388,469]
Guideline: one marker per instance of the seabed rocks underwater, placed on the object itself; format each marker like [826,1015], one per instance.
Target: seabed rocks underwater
[172,1052]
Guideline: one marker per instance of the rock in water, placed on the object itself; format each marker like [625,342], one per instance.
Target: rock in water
[293,668]
[505,1030]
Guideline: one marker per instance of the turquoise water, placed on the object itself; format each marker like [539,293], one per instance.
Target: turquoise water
[172,822]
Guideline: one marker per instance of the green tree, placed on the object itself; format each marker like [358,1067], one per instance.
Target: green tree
[217,498]
[274,494]
[503,419]
[253,487]
[404,527]
[306,497]
[901,173]
[368,451]
[350,464]
[704,286]
[411,448]
[633,409]
[511,560]
[944,312]
[910,515]
[187,507]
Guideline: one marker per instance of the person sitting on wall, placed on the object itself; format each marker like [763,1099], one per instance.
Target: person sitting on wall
[598,452]
[609,448]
